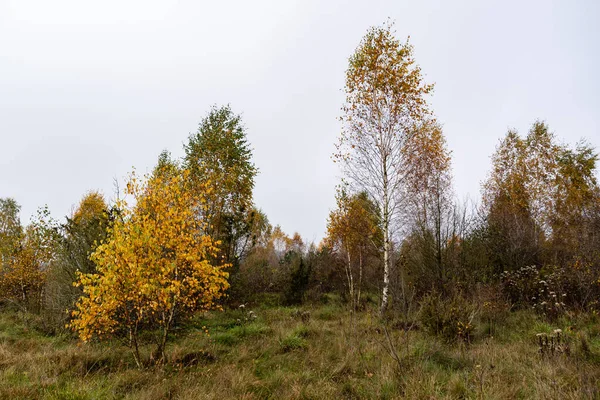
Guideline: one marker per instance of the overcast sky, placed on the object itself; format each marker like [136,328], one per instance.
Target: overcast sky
[90,89]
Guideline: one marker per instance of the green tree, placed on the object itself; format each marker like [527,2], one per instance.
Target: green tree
[219,156]
[166,164]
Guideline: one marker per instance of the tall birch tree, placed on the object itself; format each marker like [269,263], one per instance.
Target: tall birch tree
[385,100]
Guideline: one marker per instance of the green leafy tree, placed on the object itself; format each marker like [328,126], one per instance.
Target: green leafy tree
[219,156]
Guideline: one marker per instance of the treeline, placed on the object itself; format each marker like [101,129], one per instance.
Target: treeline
[189,236]
[532,241]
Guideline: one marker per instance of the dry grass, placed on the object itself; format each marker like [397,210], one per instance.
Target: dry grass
[280,356]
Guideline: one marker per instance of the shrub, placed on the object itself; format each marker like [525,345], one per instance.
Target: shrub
[551,290]
[493,308]
[450,318]
[521,286]
[576,285]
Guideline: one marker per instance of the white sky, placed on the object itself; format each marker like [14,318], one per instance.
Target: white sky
[89,90]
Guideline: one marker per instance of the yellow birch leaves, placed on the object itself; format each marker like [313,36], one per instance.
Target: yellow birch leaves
[154,264]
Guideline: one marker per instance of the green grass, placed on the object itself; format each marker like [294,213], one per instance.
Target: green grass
[293,342]
[279,356]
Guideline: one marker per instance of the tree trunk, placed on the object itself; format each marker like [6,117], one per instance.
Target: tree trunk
[438,239]
[133,343]
[160,349]
[386,241]
[360,275]
[350,279]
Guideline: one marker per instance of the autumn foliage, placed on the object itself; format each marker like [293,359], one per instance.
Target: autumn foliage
[189,238]
[386,97]
[353,234]
[27,261]
[153,269]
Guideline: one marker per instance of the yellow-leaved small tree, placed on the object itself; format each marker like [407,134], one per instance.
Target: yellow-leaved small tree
[154,267]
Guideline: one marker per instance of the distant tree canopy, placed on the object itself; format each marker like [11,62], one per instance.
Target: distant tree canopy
[538,199]
[27,256]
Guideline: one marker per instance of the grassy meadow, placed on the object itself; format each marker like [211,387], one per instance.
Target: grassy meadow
[318,351]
